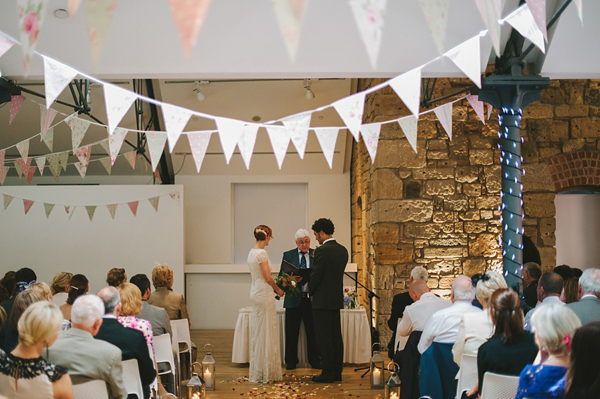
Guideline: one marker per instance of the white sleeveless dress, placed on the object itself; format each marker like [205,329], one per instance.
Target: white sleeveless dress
[265,360]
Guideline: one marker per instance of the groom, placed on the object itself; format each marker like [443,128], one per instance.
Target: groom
[326,290]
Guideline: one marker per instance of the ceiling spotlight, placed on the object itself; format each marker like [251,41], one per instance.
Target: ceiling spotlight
[199,95]
[309,93]
[61,13]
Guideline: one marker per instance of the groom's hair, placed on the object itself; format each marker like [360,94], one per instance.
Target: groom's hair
[324,225]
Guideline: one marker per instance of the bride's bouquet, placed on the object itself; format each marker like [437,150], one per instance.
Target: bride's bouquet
[288,283]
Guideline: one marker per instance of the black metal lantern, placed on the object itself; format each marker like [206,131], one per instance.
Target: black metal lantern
[208,368]
[377,369]
[392,386]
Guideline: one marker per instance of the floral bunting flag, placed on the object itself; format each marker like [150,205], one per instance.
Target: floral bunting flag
[436,15]
[467,59]
[84,154]
[198,145]
[70,210]
[53,165]
[154,202]
[175,195]
[26,168]
[289,14]
[3,172]
[351,111]
[40,162]
[246,143]
[18,168]
[175,120]
[131,157]
[27,204]
[230,131]
[78,128]
[112,209]
[81,168]
[280,140]
[5,44]
[523,21]
[15,106]
[327,138]
[369,16]
[56,77]
[46,118]
[107,164]
[2,155]
[408,125]
[115,141]
[133,205]
[49,138]
[63,157]
[298,126]
[189,16]
[408,87]
[370,134]
[491,11]
[538,10]
[31,17]
[7,200]
[98,15]
[118,101]
[73,6]
[156,145]
[23,148]
[91,209]
[477,106]
[444,115]
[48,209]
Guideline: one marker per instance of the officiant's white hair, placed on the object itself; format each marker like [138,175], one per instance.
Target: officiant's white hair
[301,233]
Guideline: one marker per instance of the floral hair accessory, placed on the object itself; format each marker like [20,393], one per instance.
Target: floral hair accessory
[23,285]
[261,231]
[567,341]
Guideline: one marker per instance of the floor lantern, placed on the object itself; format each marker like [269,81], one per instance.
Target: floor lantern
[377,369]
[392,386]
[208,368]
[196,387]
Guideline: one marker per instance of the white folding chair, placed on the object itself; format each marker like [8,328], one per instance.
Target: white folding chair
[164,353]
[95,389]
[467,374]
[131,378]
[498,386]
[183,337]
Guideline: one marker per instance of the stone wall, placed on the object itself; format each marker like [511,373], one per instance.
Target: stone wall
[438,207]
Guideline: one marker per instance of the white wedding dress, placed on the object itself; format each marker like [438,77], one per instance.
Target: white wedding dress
[265,360]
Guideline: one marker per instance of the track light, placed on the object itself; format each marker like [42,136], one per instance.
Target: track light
[199,95]
[309,93]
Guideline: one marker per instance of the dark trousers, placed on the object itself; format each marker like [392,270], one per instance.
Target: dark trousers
[328,330]
[293,318]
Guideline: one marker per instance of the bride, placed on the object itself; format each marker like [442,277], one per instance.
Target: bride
[265,361]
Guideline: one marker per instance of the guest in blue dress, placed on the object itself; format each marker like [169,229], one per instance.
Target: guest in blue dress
[553,325]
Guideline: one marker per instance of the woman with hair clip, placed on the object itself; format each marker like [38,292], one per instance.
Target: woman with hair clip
[78,286]
[583,380]
[60,287]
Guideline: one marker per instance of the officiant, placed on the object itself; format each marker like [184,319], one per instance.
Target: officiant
[298,307]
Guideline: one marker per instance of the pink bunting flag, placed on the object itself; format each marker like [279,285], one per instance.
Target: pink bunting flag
[289,14]
[408,87]
[46,118]
[31,17]
[230,131]
[436,15]
[3,172]
[7,200]
[48,209]
[115,141]
[70,210]
[131,157]
[154,202]
[198,144]
[156,145]
[538,9]
[408,125]
[118,101]
[91,209]
[351,110]
[477,106]
[467,58]
[176,196]
[280,141]
[490,11]
[327,138]
[444,115]
[298,126]
[370,134]
[23,148]
[27,204]
[56,77]
[83,154]
[246,143]
[175,120]
[98,16]
[15,106]
[5,44]
[26,168]
[112,209]
[189,16]
[369,16]
[133,205]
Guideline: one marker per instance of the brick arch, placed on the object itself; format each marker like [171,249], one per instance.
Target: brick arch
[579,169]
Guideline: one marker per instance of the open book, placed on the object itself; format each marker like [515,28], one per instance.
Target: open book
[296,271]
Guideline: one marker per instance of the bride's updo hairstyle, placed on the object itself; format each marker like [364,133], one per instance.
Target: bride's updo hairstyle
[261,232]
[41,321]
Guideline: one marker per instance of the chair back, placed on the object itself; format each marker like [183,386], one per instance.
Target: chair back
[131,378]
[467,374]
[498,386]
[164,351]
[183,333]
[95,389]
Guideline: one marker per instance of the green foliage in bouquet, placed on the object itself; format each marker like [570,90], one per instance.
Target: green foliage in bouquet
[288,283]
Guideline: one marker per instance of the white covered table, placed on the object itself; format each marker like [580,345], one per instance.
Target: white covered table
[355,334]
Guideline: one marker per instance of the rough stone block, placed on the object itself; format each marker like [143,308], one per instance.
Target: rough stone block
[538,111]
[418,243]
[466,174]
[403,210]
[437,145]
[444,217]
[475,227]
[548,130]
[446,282]
[425,230]
[399,154]
[440,267]
[486,214]
[489,202]
[437,155]
[392,254]
[548,256]
[432,282]
[457,240]
[456,203]
[493,178]
[440,187]
[469,215]
[473,266]
[585,127]
[539,205]
[385,277]
[591,96]
[427,129]
[459,147]
[386,184]
[385,302]
[459,113]
[537,178]
[484,245]
[444,252]
[385,233]
[433,173]
[547,231]
[481,157]
[570,111]
[553,95]
[413,190]
[472,190]
[530,152]
[573,145]
[479,142]
[549,152]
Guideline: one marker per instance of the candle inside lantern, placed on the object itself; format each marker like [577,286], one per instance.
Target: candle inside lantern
[208,378]
[394,395]
[376,376]
[196,395]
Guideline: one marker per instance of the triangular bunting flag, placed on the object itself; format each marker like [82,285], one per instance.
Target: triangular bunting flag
[157,179]
[98,14]
[444,115]
[56,77]
[5,44]
[49,138]
[370,134]
[46,118]
[198,145]
[18,167]
[3,172]
[115,141]
[104,144]
[73,6]
[15,106]
[91,209]
[83,154]
[106,163]
[41,162]
[522,20]
[112,209]
[490,11]
[369,16]
[351,111]
[48,209]
[27,204]
[23,148]
[156,145]
[289,14]
[246,143]
[131,157]
[31,16]
[26,168]
[2,156]
[63,157]
[467,59]
[78,128]
[436,15]
[175,120]
[133,205]
[175,195]
[477,106]
[70,210]
[408,125]
[298,126]
[280,140]
[408,87]
[188,16]
[490,108]
[7,200]
[154,202]
[327,138]
[118,102]
[53,165]
[230,131]
[538,10]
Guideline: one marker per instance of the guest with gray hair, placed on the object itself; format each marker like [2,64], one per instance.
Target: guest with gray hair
[588,306]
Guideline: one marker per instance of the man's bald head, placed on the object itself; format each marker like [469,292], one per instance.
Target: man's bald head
[417,288]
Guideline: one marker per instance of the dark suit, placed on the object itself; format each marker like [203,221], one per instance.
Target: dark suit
[530,294]
[587,309]
[298,308]
[326,289]
[399,302]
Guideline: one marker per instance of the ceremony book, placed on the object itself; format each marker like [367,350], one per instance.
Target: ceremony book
[291,269]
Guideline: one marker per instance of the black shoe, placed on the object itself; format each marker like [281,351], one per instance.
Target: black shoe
[316,366]
[322,378]
[337,378]
[290,367]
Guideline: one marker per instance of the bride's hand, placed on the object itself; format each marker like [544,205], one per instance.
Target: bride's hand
[279,292]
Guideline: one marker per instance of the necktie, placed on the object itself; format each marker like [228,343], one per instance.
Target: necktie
[302,260]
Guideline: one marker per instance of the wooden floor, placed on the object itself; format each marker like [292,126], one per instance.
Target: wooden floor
[232,383]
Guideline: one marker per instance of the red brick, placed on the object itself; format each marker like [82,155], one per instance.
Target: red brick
[567,174]
[559,168]
[561,176]
[584,163]
[562,159]
[571,182]
[551,169]
[557,185]
[569,157]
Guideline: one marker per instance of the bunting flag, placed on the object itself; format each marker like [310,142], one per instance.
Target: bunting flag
[18,168]
[327,138]
[578,4]
[289,14]
[369,17]
[70,210]
[246,143]
[40,162]
[73,6]
[31,17]
[7,200]
[23,148]
[230,131]
[490,108]
[91,209]
[107,164]
[154,202]
[3,172]
[48,209]
[444,115]
[477,106]
[112,209]
[538,10]
[198,145]
[78,129]
[370,134]
[189,16]
[49,138]
[175,120]
[53,165]
[98,15]
[2,156]
[408,87]
[298,126]
[467,59]
[118,102]
[5,44]
[83,154]
[56,77]
[176,196]
[523,21]
[115,141]
[27,204]
[408,125]
[133,205]
[157,179]
[63,157]
[436,15]
[15,106]
[491,12]
[351,111]
[156,144]
[104,144]
[26,168]
[131,157]
[46,118]
[280,140]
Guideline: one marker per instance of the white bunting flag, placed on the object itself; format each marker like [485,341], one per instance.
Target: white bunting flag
[5,44]
[280,140]
[578,4]
[70,210]
[112,209]
[198,144]
[477,106]
[49,138]
[408,87]
[522,20]
[444,115]
[106,163]
[408,125]
[56,77]
[189,16]
[436,15]
[78,129]
[31,17]
[369,16]
[156,145]
[175,196]
[327,138]
[175,120]
[118,101]
[230,131]
[115,141]
[98,15]
[83,154]
[298,126]
[246,143]
[538,10]
[289,14]
[351,111]
[46,118]
[40,162]
[370,134]
[467,59]
[490,11]
[23,148]
[131,157]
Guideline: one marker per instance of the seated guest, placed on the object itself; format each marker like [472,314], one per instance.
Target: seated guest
[164,297]
[131,304]
[546,377]
[476,328]
[22,301]
[425,304]
[60,287]
[78,285]
[7,286]
[131,342]
[570,292]
[531,276]
[565,271]
[158,317]
[549,289]
[116,276]
[42,289]
[588,307]
[23,372]
[23,277]
[86,358]
[583,381]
